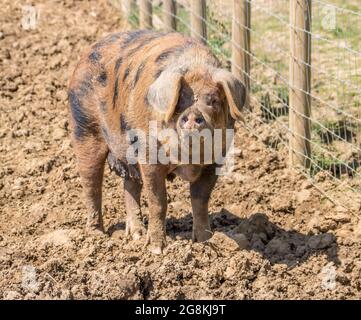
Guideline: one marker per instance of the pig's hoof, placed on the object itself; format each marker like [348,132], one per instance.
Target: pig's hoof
[95,230]
[155,244]
[135,229]
[94,225]
[201,235]
[156,248]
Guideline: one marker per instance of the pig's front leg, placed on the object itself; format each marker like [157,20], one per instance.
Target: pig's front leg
[132,194]
[201,191]
[154,185]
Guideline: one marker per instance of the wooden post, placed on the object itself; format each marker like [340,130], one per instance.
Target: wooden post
[198,20]
[145,14]
[169,14]
[241,43]
[300,83]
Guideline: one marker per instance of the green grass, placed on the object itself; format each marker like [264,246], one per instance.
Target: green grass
[183,21]
[133,19]
[333,166]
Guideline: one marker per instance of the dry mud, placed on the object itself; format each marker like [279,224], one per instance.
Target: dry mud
[275,236]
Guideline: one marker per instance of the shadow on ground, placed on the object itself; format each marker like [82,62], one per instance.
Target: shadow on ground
[276,244]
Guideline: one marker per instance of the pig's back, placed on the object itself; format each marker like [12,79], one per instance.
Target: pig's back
[113,76]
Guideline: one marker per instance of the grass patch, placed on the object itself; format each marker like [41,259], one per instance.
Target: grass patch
[334,167]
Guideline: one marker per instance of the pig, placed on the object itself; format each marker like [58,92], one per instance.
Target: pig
[123,82]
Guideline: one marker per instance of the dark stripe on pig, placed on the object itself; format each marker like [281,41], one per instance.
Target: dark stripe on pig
[126,73]
[177,50]
[109,39]
[118,63]
[102,78]
[133,36]
[169,52]
[95,56]
[143,43]
[164,55]
[84,123]
[132,51]
[86,86]
[146,101]
[138,74]
[124,126]
[105,134]
[158,73]
[103,106]
[114,37]
[116,90]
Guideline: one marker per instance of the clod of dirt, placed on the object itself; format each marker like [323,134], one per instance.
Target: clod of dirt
[257,224]
[61,237]
[229,241]
[12,295]
[342,215]
[319,223]
[58,134]
[283,203]
[344,233]
[303,196]
[112,285]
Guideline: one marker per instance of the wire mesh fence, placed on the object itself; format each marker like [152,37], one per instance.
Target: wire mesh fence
[269,42]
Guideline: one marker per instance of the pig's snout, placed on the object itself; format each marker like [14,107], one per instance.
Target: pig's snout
[192,120]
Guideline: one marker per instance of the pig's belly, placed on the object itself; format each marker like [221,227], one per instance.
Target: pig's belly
[188,172]
[122,168]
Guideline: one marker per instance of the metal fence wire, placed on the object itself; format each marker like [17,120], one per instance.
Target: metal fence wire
[301,60]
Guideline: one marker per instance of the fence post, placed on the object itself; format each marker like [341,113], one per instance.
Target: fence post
[300,83]
[145,14]
[198,20]
[241,43]
[169,14]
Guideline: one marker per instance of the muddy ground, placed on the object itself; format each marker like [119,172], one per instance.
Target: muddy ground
[275,236]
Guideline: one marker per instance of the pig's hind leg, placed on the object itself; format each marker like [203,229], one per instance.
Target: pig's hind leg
[91,154]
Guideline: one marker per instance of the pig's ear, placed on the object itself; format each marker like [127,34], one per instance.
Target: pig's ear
[234,90]
[163,93]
